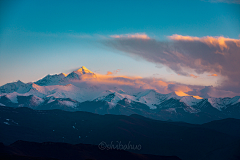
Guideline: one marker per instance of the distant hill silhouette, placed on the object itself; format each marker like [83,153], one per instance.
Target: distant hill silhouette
[186,141]
[65,151]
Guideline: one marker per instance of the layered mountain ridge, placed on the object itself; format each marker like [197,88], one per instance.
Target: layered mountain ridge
[75,92]
[214,140]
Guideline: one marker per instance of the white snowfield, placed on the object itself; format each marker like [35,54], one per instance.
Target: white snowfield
[81,86]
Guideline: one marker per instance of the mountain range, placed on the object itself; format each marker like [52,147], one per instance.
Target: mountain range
[77,92]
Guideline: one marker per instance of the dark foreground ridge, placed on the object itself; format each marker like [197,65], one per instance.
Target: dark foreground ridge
[215,140]
[65,151]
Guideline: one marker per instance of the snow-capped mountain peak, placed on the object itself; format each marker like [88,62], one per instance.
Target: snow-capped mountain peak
[190,100]
[220,103]
[83,70]
[81,73]
[63,79]
[18,86]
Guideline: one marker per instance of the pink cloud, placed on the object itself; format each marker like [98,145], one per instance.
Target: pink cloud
[194,76]
[214,75]
[114,72]
[138,84]
[136,36]
[109,73]
[210,41]
[188,55]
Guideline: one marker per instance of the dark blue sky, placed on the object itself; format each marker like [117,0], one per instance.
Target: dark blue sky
[195,17]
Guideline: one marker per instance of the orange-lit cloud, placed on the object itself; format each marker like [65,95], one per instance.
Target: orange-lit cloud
[214,75]
[127,82]
[138,84]
[187,55]
[181,93]
[136,35]
[197,97]
[210,41]
[109,73]
[114,72]
[194,76]
[178,87]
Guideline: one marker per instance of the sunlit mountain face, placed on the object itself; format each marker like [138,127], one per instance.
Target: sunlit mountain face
[83,90]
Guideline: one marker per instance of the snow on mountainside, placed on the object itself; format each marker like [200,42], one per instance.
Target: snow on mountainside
[221,103]
[190,100]
[62,78]
[151,98]
[51,79]
[13,97]
[68,103]
[113,97]
[75,88]
[234,100]
[18,86]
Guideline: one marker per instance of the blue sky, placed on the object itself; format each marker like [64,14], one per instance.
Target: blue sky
[48,37]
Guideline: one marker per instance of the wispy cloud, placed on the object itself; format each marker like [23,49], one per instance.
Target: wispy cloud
[223,1]
[187,55]
[210,91]
[109,73]
[136,35]
[220,42]
[194,76]
[138,84]
[55,35]
[214,75]
[114,72]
